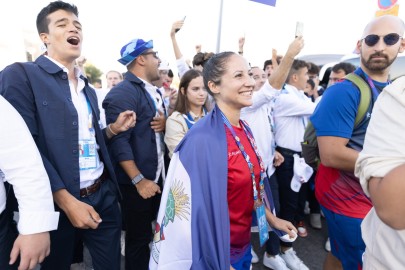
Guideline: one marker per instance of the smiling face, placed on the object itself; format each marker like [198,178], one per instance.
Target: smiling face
[235,88]
[64,37]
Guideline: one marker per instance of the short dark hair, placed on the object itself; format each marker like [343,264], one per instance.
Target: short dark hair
[215,68]
[270,62]
[296,66]
[170,73]
[182,105]
[42,18]
[346,67]
[311,83]
[313,68]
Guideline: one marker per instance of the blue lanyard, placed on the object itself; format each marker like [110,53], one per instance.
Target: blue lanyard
[247,158]
[90,118]
[189,119]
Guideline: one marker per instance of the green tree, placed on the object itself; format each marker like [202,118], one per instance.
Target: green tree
[92,72]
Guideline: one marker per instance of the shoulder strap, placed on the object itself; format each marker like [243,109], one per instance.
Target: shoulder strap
[365,96]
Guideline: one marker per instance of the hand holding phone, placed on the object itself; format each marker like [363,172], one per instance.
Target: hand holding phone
[299,29]
[178,29]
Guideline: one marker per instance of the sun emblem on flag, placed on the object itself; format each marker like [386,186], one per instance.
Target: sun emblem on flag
[177,205]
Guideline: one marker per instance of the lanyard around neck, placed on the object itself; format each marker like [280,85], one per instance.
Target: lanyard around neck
[247,158]
[90,117]
[374,89]
[190,120]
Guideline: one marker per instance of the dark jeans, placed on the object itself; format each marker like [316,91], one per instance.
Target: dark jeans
[289,199]
[138,215]
[313,202]
[302,198]
[8,233]
[273,244]
[103,242]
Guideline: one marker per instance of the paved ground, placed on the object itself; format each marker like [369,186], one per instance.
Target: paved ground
[310,249]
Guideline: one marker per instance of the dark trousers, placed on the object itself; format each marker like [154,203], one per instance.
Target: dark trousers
[103,242]
[138,215]
[313,202]
[302,198]
[8,233]
[289,199]
[273,244]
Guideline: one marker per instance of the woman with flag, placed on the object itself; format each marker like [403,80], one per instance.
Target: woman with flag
[216,180]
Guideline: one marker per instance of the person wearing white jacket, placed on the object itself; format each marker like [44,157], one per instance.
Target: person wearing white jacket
[381,169]
[21,166]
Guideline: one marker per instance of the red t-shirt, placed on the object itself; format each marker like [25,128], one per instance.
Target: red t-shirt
[240,190]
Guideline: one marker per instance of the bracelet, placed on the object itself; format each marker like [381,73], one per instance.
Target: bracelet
[109,128]
[240,52]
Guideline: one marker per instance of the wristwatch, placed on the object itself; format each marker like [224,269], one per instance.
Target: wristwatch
[137,179]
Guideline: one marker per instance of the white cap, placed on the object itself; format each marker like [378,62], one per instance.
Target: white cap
[302,173]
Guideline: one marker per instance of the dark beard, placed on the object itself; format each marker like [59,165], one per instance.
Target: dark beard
[377,65]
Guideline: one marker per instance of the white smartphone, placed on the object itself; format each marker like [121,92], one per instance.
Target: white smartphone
[177,29]
[299,29]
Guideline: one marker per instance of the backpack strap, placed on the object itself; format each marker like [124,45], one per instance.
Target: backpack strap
[365,96]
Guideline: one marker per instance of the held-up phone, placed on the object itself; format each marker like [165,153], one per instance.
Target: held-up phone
[177,29]
[299,29]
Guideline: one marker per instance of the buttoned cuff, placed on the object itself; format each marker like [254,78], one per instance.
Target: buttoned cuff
[37,222]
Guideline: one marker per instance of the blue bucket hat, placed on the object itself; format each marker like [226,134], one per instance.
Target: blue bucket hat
[133,49]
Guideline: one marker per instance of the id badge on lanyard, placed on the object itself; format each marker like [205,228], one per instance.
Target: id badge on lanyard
[87,154]
[88,147]
[262,224]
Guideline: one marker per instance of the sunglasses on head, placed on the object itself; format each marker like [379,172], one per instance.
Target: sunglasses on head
[390,39]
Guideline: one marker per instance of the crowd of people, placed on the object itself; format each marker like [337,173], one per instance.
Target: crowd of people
[179,178]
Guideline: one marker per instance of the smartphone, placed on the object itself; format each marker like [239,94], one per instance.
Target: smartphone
[177,29]
[299,29]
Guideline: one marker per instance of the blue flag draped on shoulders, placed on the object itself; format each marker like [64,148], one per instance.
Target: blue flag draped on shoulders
[266,2]
[193,228]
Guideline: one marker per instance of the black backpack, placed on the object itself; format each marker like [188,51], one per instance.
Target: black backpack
[310,150]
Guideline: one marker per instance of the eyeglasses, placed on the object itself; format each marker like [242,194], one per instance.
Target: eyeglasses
[155,54]
[390,39]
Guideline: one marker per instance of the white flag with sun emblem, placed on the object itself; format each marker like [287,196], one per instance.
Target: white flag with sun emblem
[171,248]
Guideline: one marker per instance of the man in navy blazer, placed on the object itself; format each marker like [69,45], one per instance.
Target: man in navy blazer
[138,153]
[61,112]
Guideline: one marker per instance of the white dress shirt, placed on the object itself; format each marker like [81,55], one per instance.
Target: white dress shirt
[87,177]
[383,151]
[21,165]
[259,117]
[291,111]
[157,99]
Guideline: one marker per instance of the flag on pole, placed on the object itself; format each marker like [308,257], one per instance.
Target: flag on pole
[266,2]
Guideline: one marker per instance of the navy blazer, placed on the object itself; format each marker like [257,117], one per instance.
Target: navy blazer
[40,92]
[138,143]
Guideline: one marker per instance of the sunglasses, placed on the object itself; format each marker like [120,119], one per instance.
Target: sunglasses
[155,54]
[390,39]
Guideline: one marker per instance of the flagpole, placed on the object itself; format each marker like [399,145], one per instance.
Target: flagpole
[219,26]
